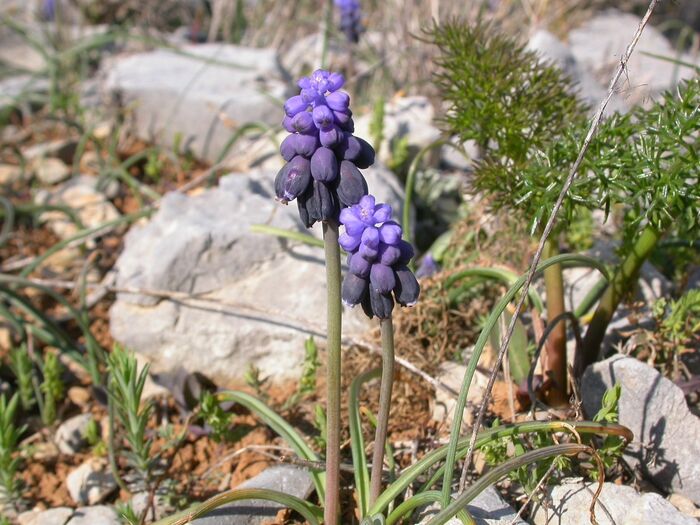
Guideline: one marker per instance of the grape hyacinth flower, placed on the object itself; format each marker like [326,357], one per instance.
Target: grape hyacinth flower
[378,260]
[350,19]
[323,156]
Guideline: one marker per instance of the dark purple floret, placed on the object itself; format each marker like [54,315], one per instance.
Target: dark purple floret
[407,288]
[324,165]
[382,278]
[352,186]
[354,289]
[325,203]
[293,179]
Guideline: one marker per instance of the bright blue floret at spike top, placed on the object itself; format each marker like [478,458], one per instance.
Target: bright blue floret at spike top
[350,19]
[323,156]
[378,260]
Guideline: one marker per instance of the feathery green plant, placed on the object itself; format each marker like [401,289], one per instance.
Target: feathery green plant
[22,367]
[51,388]
[10,434]
[126,390]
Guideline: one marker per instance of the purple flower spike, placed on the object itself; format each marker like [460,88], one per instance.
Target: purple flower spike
[319,120]
[382,278]
[293,179]
[376,248]
[324,165]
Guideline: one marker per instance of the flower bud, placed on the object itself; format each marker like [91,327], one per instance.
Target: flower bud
[287,123]
[366,157]
[324,165]
[338,101]
[342,117]
[380,304]
[359,265]
[295,105]
[323,118]
[293,179]
[304,202]
[407,253]
[352,186]
[288,148]
[335,81]
[353,290]
[388,255]
[330,137]
[390,233]
[382,278]
[369,245]
[306,145]
[407,288]
[303,122]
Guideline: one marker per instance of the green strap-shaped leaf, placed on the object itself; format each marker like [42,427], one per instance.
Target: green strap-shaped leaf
[284,429]
[359,460]
[310,512]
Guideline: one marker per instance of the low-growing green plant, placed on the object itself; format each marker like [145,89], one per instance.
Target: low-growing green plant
[126,390]
[93,436]
[10,433]
[23,368]
[215,416]
[52,388]
[307,382]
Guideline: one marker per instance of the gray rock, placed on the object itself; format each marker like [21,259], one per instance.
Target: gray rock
[488,508]
[139,502]
[282,478]
[90,205]
[70,436]
[666,434]
[271,292]
[651,286]
[56,516]
[599,43]
[90,483]
[198,99]
[96,515]
[551,49]
[10,174]
[60,149]
[569,504]
[50,171]
[454,159]
[451,374]
[17,90]
[410,117]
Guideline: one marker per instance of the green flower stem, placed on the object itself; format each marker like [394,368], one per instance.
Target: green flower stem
[387,382]
[332,251]
[622,282]
[556,347]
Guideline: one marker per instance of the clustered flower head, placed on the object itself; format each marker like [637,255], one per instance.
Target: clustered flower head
[350,19]
[378,260]
[323,156]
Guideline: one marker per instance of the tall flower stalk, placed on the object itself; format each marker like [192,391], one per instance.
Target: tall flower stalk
[322,173]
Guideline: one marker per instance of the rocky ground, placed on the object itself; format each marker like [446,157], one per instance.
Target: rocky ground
[138,206]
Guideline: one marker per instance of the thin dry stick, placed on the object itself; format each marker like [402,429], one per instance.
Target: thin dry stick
[544,478]
[595,123]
